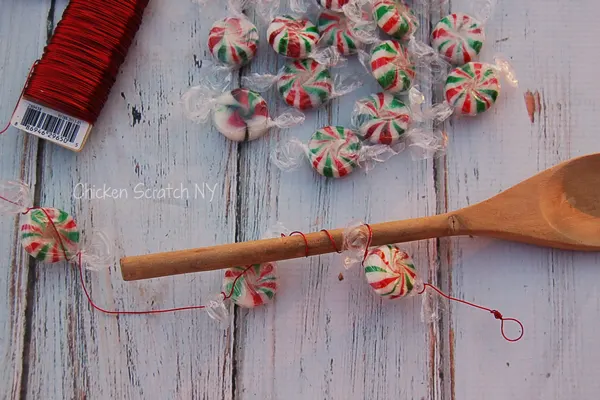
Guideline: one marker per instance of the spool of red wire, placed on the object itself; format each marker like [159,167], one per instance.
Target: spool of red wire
[79,66]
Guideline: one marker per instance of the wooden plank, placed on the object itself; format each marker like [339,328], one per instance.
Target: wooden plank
[141,138]
[322,337]
[17,162]
[550,291]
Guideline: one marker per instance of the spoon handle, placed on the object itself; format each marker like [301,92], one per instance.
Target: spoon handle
[285,248]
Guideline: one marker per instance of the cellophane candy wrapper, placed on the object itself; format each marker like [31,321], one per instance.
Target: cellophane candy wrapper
[433,305]
[238,114]
[474,88]
[356,241]
[305,84]
[336,29]
[394,64]
[394,17]
[233,39]
[460,36]
[18,198]
[384,119]
[97,252]
[333,152]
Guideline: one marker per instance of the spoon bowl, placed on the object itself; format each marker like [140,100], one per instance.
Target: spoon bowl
[570,201]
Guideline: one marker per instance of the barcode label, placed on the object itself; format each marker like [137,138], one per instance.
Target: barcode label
[51,125]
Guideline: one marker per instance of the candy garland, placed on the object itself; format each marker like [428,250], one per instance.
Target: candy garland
[51,235]
[293,37]
[388,270]
[233,41]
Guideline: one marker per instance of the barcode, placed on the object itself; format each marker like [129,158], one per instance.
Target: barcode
[54,127]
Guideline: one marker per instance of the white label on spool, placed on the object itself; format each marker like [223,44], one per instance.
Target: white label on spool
[51,125]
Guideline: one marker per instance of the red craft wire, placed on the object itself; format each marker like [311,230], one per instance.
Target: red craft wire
[495,313]
[82,60]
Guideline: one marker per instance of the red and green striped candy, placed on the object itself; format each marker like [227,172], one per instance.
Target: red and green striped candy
[473,88]
[381,119]
[395,18]
[334,5]
[335,31]
[233,41]
[305,84]
[392,66]
[255,285]
[390,272]
[291,37]
[241,115]
[47,242]
[334,151]
[458,37]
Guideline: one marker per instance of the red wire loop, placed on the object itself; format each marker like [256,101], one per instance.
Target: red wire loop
[306,248]
[369,242]
[495,313]
[332,240]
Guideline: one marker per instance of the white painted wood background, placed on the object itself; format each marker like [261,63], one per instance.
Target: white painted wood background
[321,338]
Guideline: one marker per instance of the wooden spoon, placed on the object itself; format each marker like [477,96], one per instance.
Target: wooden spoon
[558,208]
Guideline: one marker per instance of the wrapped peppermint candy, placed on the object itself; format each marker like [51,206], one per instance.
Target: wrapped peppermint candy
[393,17]
[391,272]
[51,235]
[474,88]
[333,152]
[233,39]
[383,118]
[333,5]
[459,37]
[239,114]
[251,286]
[293,37]
[305,84]
[248,286]
[337,30]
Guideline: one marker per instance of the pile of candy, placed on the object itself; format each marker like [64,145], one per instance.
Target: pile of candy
[382,124]
[319,35]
